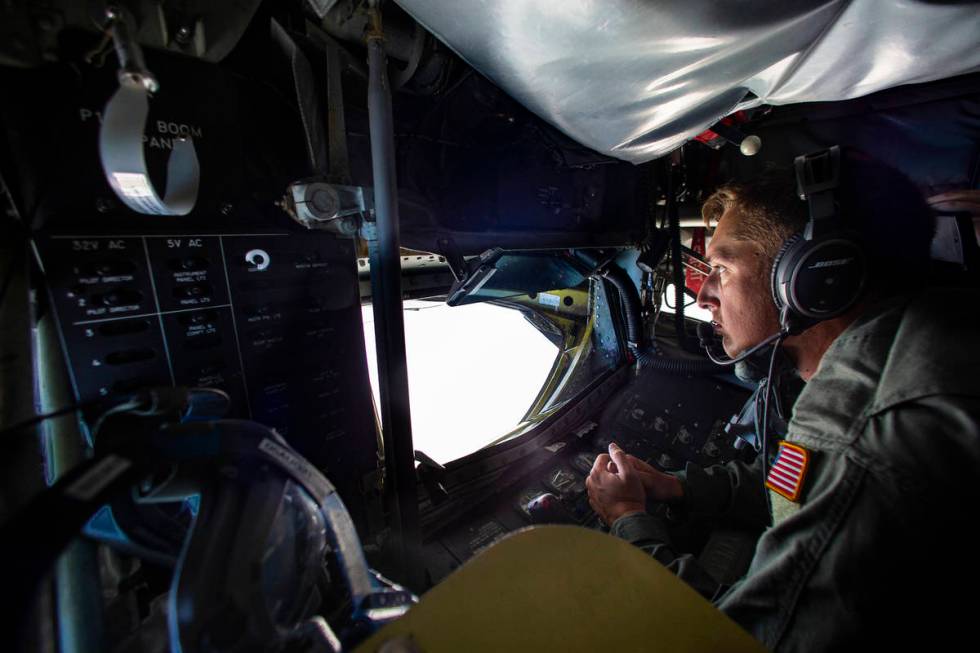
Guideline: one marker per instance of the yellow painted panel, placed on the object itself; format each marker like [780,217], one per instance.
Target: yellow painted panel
[564,588]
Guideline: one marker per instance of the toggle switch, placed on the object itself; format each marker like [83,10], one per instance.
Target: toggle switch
[193,291]
[121,297]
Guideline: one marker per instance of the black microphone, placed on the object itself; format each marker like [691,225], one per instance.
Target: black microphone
[714,350]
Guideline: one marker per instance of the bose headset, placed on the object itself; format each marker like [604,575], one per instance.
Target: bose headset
[819,272]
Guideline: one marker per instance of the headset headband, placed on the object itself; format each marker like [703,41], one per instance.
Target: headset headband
[817,177]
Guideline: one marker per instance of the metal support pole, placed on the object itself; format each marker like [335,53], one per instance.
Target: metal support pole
[389,326]
[676,256]
[35,381]
[21,474]
[78,589]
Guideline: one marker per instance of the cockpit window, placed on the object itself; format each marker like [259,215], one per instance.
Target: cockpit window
[589,349]
[480,374]
[472,371]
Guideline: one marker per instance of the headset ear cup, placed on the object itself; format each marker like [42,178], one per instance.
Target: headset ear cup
[778,274]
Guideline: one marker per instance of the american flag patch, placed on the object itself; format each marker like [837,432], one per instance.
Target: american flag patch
[788,471]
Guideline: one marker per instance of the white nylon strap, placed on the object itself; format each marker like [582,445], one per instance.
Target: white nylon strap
[124,164]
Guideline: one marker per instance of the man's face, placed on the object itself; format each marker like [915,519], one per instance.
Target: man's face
[737,290]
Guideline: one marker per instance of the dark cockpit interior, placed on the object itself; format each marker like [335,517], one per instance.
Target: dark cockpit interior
[202,201]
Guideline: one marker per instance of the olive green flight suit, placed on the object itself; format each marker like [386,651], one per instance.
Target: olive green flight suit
[880,550]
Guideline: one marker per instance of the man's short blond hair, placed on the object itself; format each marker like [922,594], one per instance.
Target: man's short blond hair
[768,209]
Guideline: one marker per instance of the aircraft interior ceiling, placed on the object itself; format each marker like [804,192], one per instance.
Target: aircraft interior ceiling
[203,195]
[635,80]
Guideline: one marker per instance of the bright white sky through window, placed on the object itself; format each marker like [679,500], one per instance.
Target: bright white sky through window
[473,372]
[691,309]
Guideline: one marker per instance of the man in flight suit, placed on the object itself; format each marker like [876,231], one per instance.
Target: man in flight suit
[870,540]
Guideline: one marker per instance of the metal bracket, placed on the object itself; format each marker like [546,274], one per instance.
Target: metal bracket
[133,72]
[331,207]
[369,230]
[432,475]
[448,248]
[330,203]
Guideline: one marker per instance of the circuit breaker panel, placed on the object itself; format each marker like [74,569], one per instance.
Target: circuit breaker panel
[272,319]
